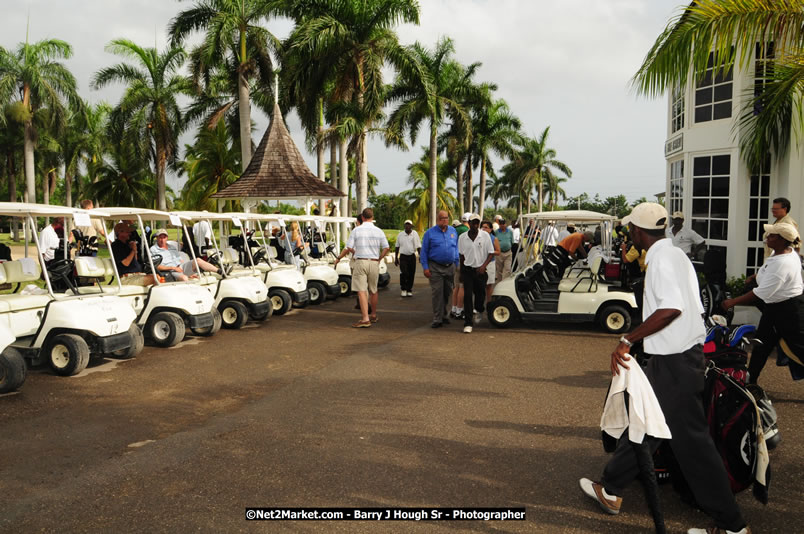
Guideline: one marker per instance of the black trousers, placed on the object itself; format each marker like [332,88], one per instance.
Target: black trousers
[407,271]
[678,381]
[474,292]
[779,320]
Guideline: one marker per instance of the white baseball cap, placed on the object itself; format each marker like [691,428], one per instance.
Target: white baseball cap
[648,215]
[465,216]
[678,215]
[785,230]
[408,222]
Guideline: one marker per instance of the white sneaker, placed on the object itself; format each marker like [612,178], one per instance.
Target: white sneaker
[715,530]
[478,317]
[404,294]
[410,293]
[467,329]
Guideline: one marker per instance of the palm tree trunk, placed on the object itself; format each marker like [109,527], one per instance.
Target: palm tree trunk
[319,148]
[362,201]
[433,172]
[541,194]
[482,200]
[459,184]
[244,113]
[68,189]
[30,169]
[469,198]
[46,188]
[160,179]
[12,191]
[343,167]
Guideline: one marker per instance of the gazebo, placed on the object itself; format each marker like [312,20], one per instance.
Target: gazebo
[277,171]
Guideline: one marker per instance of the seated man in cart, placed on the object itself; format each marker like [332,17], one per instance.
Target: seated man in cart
[173,267]
[126,255]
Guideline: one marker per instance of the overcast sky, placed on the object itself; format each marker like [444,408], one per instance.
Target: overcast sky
[563,64]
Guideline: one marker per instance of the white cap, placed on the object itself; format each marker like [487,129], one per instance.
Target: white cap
[408,222]
[648,215]
[785,230]
[465,216]
[474,217]
[678,215]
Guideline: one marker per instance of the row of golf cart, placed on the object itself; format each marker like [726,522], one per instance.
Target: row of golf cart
[540,288]
[63,311]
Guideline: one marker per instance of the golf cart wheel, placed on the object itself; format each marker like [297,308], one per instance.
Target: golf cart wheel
[318,293]
[234,314]
[68,354]
[12,370]
[615,319]
[280,301]
[345,283]
[137,343]
[165,329]
[263,316]
[210,330]
[502,313]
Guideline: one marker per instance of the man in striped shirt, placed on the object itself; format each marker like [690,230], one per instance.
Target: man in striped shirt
[368,246]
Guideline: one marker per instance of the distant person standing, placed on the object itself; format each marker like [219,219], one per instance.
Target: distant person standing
[95,229]
[517,238]
[439,256]
[368,246]
[563,234]
[491,267]
[407,244]
[550,236]
[202,237]
[476,251]
[780,209]
[687,239]
[506,238]
[457,293]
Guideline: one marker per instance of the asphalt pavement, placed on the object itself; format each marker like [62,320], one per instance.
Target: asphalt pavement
[304,411]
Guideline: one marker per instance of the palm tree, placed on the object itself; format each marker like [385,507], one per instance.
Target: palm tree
[149,105]
[235,41]
[34,74]
[554,190]
[434,88]
[419,193]
[496,130]
[124,180]
[497,189]
[355,39]
[532,166]
[211,164]
[732,28]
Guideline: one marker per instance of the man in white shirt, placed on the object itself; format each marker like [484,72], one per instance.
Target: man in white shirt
[49,239]
[407,244]
[687,239]
[566,232]
[202,235]
[368,246]
[673,333]
[475,251]
[550,236]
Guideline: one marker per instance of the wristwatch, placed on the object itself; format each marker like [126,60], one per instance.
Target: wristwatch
[625,341]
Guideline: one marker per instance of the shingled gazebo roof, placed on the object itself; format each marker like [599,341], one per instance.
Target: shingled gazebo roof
[278,171]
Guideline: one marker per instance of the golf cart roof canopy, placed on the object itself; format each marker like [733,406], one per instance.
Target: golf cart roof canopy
[211,215]
[125,213]
[570,215]
[45,210]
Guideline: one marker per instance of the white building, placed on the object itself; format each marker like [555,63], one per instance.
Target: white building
[706,177]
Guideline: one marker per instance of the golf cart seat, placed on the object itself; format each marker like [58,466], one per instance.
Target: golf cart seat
[586,282]
[90,267]
[20,272]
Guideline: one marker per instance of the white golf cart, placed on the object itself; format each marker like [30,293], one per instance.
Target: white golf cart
[165,310]
[332,249]
[321,277]
[239,296]
[12,365]
[61,328]
[286,284]
[583,294]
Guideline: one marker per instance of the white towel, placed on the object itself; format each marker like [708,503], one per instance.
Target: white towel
[644,415]
[92,262]
[28,266]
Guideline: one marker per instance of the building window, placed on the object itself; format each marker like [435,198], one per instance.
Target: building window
[758,208]
[763,72]
[677,186]
[710,196]
[677,112]
[713,93]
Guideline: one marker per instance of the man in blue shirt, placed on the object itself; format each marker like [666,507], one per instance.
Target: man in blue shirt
[439,255]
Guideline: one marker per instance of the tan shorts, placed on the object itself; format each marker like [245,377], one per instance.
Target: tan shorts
[134,279]
[365,274]
[457,278]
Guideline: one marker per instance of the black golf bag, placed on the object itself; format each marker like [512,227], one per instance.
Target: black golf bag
[714,291]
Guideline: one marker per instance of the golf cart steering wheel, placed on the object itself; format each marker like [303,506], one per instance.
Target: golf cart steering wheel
[258,256]
[60,268]
[147,266]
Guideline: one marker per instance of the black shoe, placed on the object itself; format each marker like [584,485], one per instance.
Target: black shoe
[435,325]
[445,321]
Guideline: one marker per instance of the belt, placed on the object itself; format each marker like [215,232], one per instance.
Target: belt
[509,250]
[368,259]
[441,264]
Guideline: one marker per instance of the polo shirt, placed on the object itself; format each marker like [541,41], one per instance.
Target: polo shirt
[407,244]
[439,246]
[475,252]
[202,232]
[367,241]
[562,235]
[171,257]
[462,228]
[571,242]
[671,283]
[779,278]
[120,251]
[506,239]
[684,239]
[48,242]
